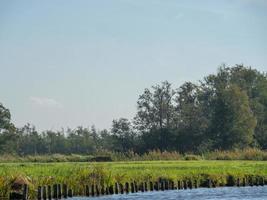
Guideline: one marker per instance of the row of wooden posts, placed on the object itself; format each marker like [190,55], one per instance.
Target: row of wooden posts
[59,191]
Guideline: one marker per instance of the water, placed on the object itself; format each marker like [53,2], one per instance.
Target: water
[224,193]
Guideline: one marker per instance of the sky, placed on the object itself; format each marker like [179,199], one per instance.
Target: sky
[71,63]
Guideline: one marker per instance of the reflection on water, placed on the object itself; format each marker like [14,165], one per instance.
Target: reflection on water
[224,193]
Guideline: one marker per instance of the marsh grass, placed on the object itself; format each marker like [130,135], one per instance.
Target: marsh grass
[77,175]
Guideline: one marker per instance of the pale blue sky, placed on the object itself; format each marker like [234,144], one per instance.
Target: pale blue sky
[66,63]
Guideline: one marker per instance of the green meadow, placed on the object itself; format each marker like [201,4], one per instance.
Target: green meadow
[77,175]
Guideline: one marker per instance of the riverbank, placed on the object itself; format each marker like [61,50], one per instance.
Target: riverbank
[78,175]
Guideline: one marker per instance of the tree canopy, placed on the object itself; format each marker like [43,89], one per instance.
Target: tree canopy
[224,111]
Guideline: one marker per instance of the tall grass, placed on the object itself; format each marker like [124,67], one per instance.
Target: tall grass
[245,154]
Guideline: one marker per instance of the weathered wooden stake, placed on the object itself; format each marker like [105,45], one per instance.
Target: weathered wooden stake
[162,186]
[190,184]
[92,190]
[127,187]
[97,190]
[121,188]
[107,191]
[111,191]
[244,182]
[87,191]
[146,187]
[65,191]
[238,182]
[59,191]
[179,185]
[166,185]
[172,185]
[55,192]
[70,193]
[116,188]
[135,186]
[196,184]
[151,186]
[185,184]
[156,186]
[102,190]
[49,192]
[39,193]
[44,193]
[25,192]
[261,181]
[132,187]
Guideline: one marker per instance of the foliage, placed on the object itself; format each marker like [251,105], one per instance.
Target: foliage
[224,111]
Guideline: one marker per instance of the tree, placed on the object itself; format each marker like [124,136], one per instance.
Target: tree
[123,135]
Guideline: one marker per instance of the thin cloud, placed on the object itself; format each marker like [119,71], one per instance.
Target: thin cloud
[45,102]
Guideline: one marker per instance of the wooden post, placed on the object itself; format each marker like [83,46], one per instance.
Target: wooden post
[97,190]
[162,185]
[135,186]
[132,187]
[25,192]
[70,193]
[238,182]
[261,181]
[55,191]
[190,184]
[92,190]
[166,185]
[185,184]
[87,191]
[39,193]
[209,183]
[102,190]
[65,191]
[172,185]
[146,187]
[116,188]
[151,186]
[179,185]
[49,191]
[127,187]
[59,191]
[142,188]
[156,186]
[244,182]
[107,191]
[196,184]
[121,188]
[44,193]
[111,191]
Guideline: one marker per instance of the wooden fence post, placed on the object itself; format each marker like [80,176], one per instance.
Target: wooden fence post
[70,193]
[151,186]
[25,192]
[65,191]
[44,193]
[55,191]
[116,188]
[92,190]
[132,187]
[102,190]
[59,191]
[49,192]
[111,191]
[127,187]
[39,193]
[121,188]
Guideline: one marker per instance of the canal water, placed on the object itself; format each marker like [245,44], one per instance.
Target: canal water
[223,193]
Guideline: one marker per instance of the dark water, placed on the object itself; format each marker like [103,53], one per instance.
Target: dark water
[224,193]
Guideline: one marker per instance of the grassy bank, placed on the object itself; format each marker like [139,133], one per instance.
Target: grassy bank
[245,154]
[77,175]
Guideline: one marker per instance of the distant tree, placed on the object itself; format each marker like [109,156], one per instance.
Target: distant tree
[123,135]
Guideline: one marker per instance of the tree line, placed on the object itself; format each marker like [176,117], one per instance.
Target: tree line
[223,111]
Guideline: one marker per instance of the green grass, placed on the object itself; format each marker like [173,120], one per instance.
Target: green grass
[77,175]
